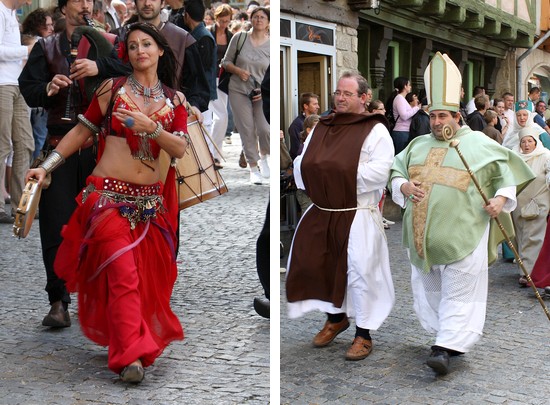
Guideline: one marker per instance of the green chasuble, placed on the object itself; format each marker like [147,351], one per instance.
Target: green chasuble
[449,222]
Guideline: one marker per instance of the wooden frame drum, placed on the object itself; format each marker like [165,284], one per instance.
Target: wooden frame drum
[196,178]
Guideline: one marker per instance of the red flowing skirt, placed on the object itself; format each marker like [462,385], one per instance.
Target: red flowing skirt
[124,277]
[541,271]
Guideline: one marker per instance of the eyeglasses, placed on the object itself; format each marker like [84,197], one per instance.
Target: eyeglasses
[345,94]
[81,1]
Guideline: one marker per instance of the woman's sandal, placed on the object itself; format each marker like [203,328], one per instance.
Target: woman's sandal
[134,373]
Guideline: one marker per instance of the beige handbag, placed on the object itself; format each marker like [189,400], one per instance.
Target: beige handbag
[530,211]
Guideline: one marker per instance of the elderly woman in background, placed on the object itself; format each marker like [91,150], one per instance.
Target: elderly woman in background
[534,201]
[524,118]
[244,91]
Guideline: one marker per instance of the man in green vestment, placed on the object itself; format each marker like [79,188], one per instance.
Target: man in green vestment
[446,224]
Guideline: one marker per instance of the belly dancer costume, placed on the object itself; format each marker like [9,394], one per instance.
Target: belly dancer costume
[119,246]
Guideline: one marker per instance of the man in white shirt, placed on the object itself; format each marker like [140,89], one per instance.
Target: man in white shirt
[15,124]
[509,107]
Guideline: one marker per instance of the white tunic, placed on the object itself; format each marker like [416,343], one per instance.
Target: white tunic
[369,294]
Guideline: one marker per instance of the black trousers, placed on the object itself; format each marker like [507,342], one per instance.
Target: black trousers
[56,206]
[262,255]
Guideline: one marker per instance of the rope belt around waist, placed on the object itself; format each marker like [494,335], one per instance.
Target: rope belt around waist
[368,207]
[373,209]
[54,140]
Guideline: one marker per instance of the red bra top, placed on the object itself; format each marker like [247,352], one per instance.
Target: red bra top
[173,119]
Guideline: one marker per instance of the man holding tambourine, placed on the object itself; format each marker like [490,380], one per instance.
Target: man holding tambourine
[56,79]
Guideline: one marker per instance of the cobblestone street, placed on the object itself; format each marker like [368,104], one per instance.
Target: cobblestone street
[224,358]
[510,364]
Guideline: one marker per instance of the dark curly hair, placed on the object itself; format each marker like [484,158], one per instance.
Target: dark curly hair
[35,21]
[167,62]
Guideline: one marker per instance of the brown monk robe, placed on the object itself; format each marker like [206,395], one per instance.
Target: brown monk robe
[318,264]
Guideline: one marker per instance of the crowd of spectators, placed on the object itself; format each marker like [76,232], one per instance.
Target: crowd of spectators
[221,21]
[521,126]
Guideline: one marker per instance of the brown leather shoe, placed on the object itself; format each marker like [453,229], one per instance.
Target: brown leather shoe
[58,317]
[329,332]
[359,349]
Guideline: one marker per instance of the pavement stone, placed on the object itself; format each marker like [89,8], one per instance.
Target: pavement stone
[510,364]
[224,358]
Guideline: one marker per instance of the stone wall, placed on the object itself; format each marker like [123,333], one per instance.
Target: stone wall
[336,12]
[346,47]
[506,76]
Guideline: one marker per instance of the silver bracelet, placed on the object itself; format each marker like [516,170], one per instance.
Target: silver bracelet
[52,162]
[88,124]
[153,135]
[182,134]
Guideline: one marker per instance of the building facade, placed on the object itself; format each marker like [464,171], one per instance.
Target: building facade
[384,39]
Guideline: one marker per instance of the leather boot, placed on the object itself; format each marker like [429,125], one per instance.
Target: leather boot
[58,317]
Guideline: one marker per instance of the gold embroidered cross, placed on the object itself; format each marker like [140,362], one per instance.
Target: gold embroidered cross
[428,174]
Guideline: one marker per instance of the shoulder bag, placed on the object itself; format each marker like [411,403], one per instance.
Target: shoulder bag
[223,84]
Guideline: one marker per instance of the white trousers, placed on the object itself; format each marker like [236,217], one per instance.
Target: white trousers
[451,300]
[220,119]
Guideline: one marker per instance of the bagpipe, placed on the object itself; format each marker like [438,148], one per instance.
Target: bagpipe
[97,45]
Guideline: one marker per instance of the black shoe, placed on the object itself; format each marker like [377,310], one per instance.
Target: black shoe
[58,317]
[261,305]
[439,361]
[547,290]
[5,218]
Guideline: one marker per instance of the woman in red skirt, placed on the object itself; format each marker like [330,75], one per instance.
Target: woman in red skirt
[118,249]
[541,271]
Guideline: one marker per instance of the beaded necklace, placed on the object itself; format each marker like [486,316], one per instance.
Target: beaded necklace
[138,89]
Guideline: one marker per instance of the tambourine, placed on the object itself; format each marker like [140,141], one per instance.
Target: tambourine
[26,210]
